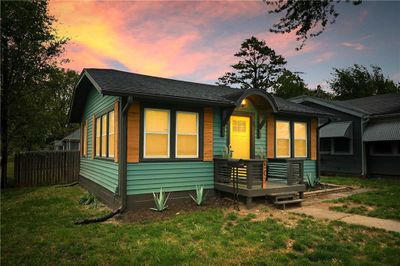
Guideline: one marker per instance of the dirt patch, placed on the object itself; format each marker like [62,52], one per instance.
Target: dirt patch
[175,208]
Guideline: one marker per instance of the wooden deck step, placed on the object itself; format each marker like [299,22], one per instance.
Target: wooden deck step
[283,203]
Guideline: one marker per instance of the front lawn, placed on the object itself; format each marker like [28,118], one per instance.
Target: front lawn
[382,201]
[37,229]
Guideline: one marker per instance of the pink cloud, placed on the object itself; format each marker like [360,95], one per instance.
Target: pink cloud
[363,15]
[354,45]
[323,57]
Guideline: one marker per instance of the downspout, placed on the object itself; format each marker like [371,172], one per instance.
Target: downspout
[364,121]
[318,147]
[122,166]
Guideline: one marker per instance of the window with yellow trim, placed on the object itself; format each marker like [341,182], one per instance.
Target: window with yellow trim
[156,133]
[187,135]
[300,139]
[111,134]
[98,136]
[104,145]
[282,139]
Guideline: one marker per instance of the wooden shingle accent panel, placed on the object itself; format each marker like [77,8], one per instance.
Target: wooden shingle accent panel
[133,132]
[270,136]
[116,131]
[313,138]
[93,135]
[208,134]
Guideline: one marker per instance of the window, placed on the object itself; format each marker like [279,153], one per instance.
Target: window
[111,142]
[104,146]
[342,146]
[300,139]
[187,134]
[98,134]
[84,139]
[104,136]
[385,148]
[156,133]
[282,139]
[325,145]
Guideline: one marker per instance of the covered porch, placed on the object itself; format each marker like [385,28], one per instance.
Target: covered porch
[274,179]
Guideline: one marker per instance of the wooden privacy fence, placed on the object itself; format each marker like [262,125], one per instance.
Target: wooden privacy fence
[46,168]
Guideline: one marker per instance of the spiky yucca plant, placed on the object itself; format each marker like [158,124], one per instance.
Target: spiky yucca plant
[160,201]
[200,196]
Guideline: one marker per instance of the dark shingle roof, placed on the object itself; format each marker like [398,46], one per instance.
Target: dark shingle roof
[120,83]
[117,82]
[374,105]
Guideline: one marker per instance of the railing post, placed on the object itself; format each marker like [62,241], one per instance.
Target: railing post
[249,173]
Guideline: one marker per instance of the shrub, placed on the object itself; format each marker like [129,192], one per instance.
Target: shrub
[200,196]
[160,201]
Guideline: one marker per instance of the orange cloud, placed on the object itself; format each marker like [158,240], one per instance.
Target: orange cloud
[167,39]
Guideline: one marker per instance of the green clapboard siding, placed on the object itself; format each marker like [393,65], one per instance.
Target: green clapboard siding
[172,176]
[103,172]
[220,142]
[310,168]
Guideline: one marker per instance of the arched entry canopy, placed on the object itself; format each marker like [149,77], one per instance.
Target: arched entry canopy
[263,101]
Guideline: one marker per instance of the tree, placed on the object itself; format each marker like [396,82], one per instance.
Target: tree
[29,49]
[258,67]
[320,93]
[306,18]
[357,81]
[290,85]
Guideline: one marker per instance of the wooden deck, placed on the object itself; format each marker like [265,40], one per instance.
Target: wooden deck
[271,188]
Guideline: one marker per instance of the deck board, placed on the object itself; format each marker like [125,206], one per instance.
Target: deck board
[271,188]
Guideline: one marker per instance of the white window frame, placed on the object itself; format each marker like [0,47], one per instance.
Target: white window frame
[176,135]
[294,138]
[145,156]
[276,139]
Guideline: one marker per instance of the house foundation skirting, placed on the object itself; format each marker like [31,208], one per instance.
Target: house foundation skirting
[103,195]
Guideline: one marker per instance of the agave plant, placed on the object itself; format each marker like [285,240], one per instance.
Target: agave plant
[200,196]
[312,182]
[160,201]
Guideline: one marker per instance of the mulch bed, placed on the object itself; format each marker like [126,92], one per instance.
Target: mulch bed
[175,208]
[320,187]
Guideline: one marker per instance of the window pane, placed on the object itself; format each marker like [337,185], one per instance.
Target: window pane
[111,134]
[282,130]
[104,136]
[341,145]
[186,123]
[98,134]
[156,120]
[186,146]
[282,149]
[300,130]
[300,139]
[383,147]
[300,148]
[325,145]
[156,145]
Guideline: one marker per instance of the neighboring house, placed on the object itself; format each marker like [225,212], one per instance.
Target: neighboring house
[364,139]
[68,143]
[141,133]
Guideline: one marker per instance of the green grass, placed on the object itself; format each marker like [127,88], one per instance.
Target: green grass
[37,229]
[384,197]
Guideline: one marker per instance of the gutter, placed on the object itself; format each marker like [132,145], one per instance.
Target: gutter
[122,166]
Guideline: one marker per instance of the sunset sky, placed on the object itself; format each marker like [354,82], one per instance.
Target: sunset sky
[196,40]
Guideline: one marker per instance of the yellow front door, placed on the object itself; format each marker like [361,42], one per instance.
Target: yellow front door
[240,136]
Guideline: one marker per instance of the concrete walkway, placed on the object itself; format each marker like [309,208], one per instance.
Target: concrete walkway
[321,212]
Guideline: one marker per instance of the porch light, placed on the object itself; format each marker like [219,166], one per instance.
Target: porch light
[244,103]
